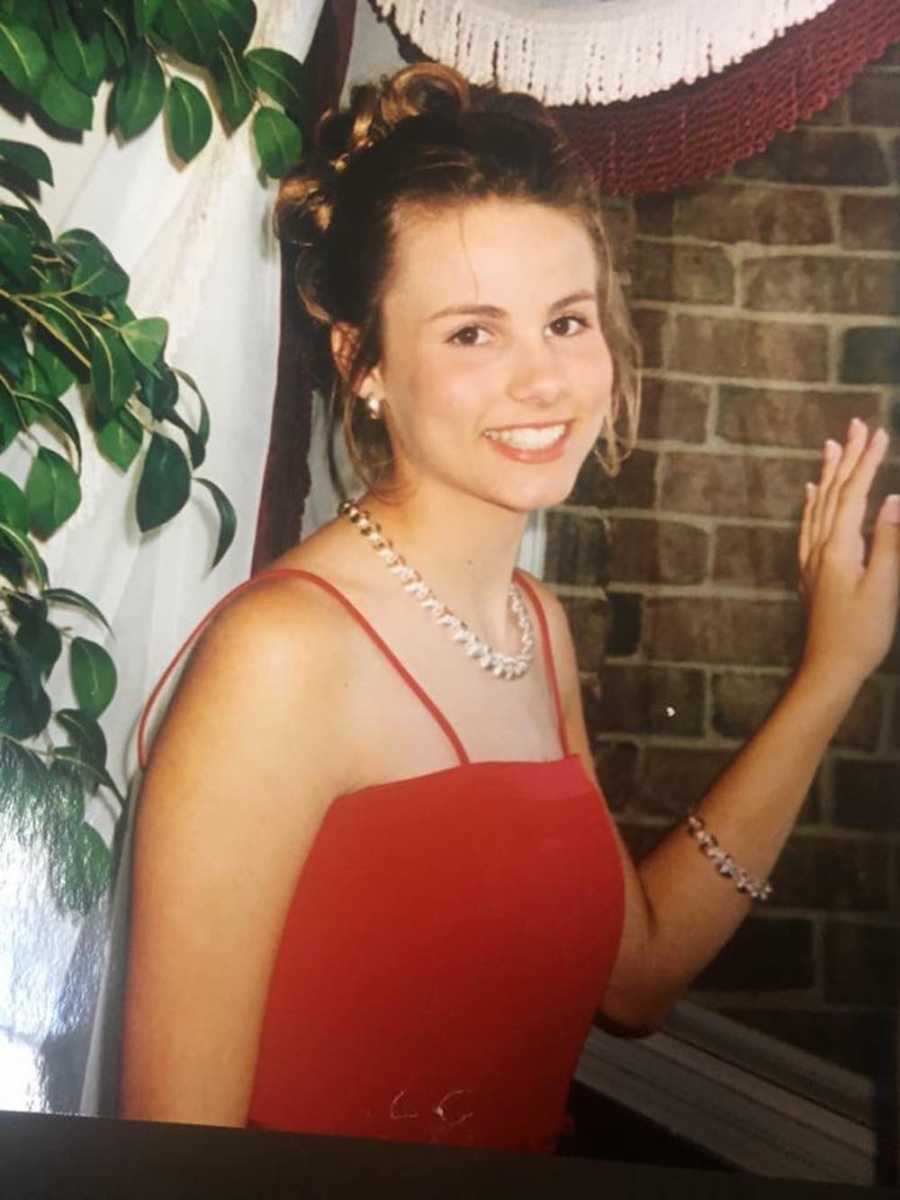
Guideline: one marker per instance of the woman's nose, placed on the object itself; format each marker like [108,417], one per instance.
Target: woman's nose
[535,374]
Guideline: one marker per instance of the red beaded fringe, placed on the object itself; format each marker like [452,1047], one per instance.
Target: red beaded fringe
[690,132]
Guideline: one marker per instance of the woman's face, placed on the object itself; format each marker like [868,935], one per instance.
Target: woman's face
[495,373]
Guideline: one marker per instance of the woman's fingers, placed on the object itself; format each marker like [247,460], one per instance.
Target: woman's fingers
[831,458]
[842,464]
[804,545]
[850,504]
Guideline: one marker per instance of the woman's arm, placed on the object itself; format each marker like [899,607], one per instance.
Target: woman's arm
[234,794]
[679,910]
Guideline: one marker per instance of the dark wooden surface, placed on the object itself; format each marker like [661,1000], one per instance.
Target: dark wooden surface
[87,1158]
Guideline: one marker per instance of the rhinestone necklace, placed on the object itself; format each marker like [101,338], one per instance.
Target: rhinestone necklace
[503,666]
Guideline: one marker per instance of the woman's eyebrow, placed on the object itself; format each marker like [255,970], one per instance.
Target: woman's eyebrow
[491,310]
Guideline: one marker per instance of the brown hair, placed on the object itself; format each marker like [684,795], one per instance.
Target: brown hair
[423,137]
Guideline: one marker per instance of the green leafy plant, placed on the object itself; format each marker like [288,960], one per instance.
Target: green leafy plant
[68,337]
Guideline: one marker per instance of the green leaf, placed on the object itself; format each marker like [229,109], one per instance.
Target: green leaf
[13,351]
[65,104]
[165,483]
[146,339]
[203,424]
[114,40]
[55,371]
[235,96]
[50,408]
[41,640]
[144,13]
[27,220]
[13,505]
[24,711]
[277,139]
[74,599]
[83,60]
[11,423]
[87,735]
[120,438]
[33,380]
[24,549]
[112,374]
[24,607]
[196,445]
[139,93]
[280,76]
[80,870]
[61,323]
[158,389]
[189,25]
[93,676]
[188,119]
[28,158]
[98,274]
[227,518]
[52,490]
[236,20]
[15,251]
[22,787]
[23,59]
[66,794]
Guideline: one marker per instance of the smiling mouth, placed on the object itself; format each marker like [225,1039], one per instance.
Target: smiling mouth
[528,437]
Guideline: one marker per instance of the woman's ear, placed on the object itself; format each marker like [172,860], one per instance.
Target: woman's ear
[344,343]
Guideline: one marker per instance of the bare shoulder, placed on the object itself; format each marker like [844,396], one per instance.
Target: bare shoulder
[262,683]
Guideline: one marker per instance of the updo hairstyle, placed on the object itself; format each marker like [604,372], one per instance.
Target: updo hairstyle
[423,138]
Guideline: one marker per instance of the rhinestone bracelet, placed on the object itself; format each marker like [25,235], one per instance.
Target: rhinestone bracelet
[707,843]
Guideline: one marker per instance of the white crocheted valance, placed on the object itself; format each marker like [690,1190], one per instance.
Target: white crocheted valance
[593,51]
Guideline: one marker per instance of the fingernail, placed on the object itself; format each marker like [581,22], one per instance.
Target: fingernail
[855,423]
[810,490]
[831,448]
[892,509]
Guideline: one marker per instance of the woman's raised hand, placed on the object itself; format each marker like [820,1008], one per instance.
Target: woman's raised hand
[851,602]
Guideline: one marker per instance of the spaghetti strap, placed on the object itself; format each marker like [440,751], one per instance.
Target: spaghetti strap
[281,572]
[548,658]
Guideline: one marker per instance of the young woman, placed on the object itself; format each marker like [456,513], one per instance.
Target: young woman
[377,891]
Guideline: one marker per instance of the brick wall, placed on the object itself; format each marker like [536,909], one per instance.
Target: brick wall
[768,303]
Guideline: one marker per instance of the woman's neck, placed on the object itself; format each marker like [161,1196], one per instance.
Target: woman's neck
[464,548]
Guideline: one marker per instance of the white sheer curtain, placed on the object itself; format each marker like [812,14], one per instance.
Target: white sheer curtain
[197,243]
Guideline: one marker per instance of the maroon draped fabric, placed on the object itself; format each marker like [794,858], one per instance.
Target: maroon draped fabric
[690,132]
[286,478]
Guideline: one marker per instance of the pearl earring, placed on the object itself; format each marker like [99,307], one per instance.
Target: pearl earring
[373,406]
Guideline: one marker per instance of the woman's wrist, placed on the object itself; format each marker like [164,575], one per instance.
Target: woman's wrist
[831,686]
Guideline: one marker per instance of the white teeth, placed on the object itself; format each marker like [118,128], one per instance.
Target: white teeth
[527,437]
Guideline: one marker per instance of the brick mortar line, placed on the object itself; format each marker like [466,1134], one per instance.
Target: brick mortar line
[723,448]
[702,521]
[844,189]
[671,374]
[838,833]
[718,741]
[708,589]
[840,321]
[775,673]
[767,250]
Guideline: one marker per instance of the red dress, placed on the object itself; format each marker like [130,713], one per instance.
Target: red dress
[449,940]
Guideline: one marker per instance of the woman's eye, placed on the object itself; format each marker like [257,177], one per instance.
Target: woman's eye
[470,335]
[568,325]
